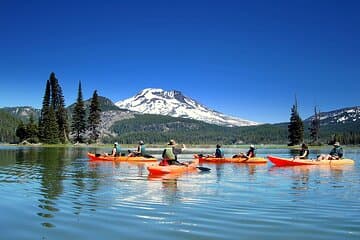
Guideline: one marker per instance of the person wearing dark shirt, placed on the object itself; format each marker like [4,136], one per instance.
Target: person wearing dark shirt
[335,154]
[304,152]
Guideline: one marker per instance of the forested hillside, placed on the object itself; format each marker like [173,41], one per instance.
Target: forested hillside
[8,124]
[159,129]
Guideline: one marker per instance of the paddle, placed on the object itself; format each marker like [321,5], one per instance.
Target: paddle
[204,169]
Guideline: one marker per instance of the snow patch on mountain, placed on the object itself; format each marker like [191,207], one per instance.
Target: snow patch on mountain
[339,116]
[174,103]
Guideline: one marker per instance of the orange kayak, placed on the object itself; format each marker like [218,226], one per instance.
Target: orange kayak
[98,157]
[278,161]
[157,169]
[232,160]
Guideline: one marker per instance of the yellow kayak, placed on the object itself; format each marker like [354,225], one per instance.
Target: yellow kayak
[98,157]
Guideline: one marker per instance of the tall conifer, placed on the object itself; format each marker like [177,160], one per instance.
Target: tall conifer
[94,118]
[51,131]
[78,126]
[58,104]
[44,116]
[315,127]
[296,126]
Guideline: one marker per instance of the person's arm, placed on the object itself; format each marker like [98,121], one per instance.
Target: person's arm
[303,155]
[113,152]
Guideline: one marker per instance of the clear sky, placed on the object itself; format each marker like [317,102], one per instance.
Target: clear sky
[243,58]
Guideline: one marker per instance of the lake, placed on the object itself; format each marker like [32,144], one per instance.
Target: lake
[56,193]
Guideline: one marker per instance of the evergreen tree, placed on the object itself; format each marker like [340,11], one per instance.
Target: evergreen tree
[32,130]
[44,116]
[94,118]
[51,131]
[58,104]
[315,127]
[21,131]
[296,127]
[78,125]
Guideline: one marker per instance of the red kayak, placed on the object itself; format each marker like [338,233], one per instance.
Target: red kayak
[278,161]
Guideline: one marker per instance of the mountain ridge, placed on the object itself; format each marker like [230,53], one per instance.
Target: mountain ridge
[173,103]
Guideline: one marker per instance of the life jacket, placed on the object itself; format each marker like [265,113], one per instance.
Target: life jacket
[219,153]
[142,149]
[118,151]
[337,151]
[168,154]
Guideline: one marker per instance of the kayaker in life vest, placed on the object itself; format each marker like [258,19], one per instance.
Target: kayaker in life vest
[335,154]
[250,153]
[170,153]
[219,153]
[115,151]
[140,151]
[304,152]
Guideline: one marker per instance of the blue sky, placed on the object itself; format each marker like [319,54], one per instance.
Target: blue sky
[243,58]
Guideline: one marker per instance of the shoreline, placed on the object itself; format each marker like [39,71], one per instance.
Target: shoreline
[242,146]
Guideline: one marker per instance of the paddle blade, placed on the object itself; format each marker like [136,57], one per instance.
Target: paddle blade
[203,168]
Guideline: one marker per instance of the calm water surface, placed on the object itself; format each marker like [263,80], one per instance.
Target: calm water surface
[56,193]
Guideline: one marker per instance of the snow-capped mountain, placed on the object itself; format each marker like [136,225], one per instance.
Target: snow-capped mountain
[175,104]
[343,115]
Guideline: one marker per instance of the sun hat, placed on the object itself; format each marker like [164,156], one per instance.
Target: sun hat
[337,144]
[141,142]
[172,142]
[252,146]
[115,143]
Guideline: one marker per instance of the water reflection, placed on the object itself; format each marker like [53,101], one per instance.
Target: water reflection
[62,187]
[169,187]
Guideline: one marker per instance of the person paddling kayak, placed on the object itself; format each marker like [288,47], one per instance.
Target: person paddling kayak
[304,152]
[140,151]
[219,153]
[335,154]
[250,153]
[170,153]
[115,151]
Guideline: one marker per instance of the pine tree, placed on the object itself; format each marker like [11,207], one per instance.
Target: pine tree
[78,125]
[94,118]
[296,127]
[44,116]
[315,127]
[58,104]
[51,132]
[32,130]
[21,131]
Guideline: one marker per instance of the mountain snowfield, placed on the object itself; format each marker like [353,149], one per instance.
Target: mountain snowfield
[175,104]
[344,115]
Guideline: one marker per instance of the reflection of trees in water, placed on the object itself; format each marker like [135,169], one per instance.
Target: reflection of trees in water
[301,178]
[51,161]
[219,168]
[85,189]
[170,190]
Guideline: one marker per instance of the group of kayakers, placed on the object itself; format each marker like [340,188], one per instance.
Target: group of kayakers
[336,153]
[170,153]
[116,150]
